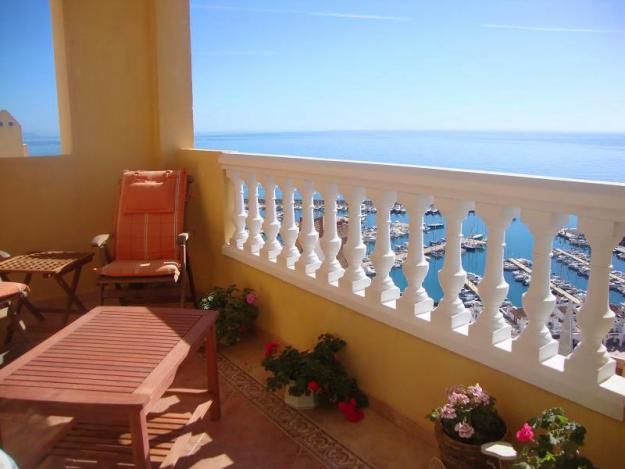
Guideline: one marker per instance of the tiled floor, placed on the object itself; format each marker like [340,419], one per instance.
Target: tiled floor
[256,430]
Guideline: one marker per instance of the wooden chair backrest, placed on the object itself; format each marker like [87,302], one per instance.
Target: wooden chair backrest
[150,214]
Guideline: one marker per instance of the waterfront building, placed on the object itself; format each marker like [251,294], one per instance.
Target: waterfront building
[11,142]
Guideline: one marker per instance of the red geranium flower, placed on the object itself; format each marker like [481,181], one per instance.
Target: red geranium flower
[270,348]
[350,411]
[313,385]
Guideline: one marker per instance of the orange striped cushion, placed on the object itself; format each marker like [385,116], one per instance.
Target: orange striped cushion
[150,214]
[142,268]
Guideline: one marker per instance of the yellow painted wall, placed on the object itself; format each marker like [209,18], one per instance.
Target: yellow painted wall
[407,373]
[112,107]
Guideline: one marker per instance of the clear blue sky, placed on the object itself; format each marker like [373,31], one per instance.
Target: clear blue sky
[346,64]
[27,76]
[409,64]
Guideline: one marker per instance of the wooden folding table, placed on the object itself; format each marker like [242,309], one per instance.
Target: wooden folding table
[49,264]
[112,364]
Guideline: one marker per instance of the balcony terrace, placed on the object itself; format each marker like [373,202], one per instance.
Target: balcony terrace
[124,87]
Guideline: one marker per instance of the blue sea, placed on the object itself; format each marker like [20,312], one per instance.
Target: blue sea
[594,156]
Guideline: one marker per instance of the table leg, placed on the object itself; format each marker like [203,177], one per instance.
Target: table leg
[15,324]
[32,308]
[140,441]
[71,294]
[213,376]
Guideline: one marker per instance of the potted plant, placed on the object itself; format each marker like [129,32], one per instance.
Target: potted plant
[466,421]
[551,441]
[237,312]
[315,376]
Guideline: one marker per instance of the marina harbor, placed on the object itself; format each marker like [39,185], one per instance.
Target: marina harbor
[570,263]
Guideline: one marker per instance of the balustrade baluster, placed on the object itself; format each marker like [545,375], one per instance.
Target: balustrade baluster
[415,299]
[288,231]
[354,279]
[239,236]
[490,325]
[254,241]
[382,288]
[271,225]
[535,342]
[309,261]
[450,312]
[330,270]
[590,360]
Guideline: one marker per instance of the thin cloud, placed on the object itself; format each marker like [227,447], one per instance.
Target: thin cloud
[550,29]
[330,14]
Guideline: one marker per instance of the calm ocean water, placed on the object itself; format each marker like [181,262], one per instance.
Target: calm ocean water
[583,156]
[580,156]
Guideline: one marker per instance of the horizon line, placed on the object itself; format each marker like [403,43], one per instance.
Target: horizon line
[311,131]
[268,131]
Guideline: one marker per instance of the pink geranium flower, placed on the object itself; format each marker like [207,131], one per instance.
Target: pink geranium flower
[458,398]
[448,412]
[479,395]
[525,433]
[250,298]
[464,430]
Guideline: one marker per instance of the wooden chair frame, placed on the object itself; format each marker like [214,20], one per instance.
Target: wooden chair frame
[168,285]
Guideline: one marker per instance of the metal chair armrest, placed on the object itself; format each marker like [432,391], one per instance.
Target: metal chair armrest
[100,240]
[182,239]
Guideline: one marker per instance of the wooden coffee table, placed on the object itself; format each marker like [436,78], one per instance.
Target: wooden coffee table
[49,264]
[112,364]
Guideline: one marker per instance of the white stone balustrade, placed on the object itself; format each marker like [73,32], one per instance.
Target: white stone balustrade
[535,342]
[271,225]
[590,360]
[354,279]
[330,270]
[288,231]
[450,312]
[239,235]
[254,241]
[491,325]
[415,299]
[585,376]
[382,288]
[308,262]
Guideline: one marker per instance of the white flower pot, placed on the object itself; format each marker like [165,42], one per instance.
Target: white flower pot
[302,402]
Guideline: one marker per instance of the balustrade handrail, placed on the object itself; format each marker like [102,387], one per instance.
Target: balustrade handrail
[294,253]
[605,200]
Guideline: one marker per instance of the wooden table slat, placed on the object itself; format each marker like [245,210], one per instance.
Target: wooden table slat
[113,361]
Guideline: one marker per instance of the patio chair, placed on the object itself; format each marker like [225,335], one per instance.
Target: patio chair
[11,294]
[150,259]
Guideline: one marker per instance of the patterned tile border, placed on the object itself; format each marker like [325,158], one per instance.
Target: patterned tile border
[325,448]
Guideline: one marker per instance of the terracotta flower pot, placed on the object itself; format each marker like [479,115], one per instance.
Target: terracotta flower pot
[458,455]
[302,402]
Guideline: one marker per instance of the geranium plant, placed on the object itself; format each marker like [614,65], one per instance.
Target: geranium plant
[316,371]
[469,416]
[237,312]
[551,441]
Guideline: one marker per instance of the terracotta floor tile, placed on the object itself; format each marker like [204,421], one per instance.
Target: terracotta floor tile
[245,437]
[306,461]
